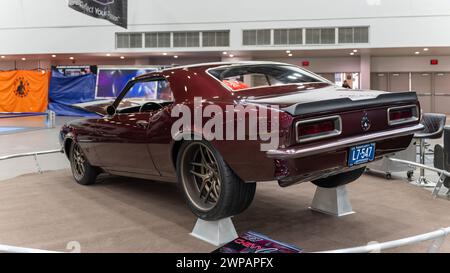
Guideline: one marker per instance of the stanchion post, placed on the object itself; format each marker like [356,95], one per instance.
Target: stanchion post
[51,119]
[37,163]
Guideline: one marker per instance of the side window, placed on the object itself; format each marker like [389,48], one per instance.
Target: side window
[144,90]
[150,90]
[164,92]
[141,95]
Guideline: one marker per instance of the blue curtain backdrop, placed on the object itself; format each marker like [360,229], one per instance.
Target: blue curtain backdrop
[66,91]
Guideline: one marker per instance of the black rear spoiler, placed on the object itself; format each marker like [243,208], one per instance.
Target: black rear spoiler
[336,105]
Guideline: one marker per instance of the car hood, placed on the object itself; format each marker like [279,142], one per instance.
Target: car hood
[98,106]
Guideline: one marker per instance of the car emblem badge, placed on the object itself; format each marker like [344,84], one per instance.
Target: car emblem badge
[365,123]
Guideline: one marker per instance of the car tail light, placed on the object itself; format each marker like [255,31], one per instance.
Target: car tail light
[403,114]
[314,129]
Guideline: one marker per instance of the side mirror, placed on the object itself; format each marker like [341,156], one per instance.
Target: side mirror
[111,110]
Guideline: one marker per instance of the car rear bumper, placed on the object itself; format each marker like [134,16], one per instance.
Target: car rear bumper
[292,153]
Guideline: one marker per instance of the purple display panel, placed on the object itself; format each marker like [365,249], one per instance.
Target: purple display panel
[111,81]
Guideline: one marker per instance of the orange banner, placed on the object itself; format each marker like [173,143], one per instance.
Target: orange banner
[23,91]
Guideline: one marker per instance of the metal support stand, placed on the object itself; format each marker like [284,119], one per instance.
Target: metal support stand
[332,201]
[217,233]
[422,180]
[439,185]
[38,166]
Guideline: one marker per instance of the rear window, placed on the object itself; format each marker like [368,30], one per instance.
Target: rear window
[261,75]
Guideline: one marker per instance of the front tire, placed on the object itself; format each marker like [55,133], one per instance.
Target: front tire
[340,179]
[212,190]
[82,171]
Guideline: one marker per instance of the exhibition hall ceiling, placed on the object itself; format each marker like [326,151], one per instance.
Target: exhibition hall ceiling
[267,54]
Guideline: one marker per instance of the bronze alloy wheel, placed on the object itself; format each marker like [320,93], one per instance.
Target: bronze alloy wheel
[211,188]
[78,162]
[82,171]
[201,176]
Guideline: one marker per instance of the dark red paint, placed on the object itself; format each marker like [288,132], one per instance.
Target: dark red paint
[120,145]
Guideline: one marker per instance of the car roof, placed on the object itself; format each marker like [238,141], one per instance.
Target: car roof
[207,66]
[219,64]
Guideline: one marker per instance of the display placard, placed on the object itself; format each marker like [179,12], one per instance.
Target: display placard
[75,70]
[253,242]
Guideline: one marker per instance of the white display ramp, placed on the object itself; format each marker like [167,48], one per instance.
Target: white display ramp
[217,233]
[333,201]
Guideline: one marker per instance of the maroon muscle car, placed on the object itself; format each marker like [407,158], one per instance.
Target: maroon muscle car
[326,134]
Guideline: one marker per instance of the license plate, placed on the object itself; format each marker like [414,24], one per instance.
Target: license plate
[361,154]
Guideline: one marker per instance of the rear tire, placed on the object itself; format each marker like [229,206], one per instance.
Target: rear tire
[211,189]
[339,179]
[82,171]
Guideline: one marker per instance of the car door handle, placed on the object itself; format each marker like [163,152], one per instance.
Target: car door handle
[142,123]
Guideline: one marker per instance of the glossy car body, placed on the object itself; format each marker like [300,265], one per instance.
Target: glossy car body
[140,144]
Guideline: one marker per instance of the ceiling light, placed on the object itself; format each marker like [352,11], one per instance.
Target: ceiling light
[231,55]
[224,53]
[425,49]
[24,59]
[355,50]
[352,53]
[290,54]
[176,56]
[165,53]
[288,51]
[108,55]
[53,56]
[122,57]
[2,57]
[72,58]
[417,52]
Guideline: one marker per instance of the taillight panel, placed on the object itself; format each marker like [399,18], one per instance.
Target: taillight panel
[319,128]
[402,114]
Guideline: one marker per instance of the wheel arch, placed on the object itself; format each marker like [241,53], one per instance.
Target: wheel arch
[233,159]
[66,145]
[180,138]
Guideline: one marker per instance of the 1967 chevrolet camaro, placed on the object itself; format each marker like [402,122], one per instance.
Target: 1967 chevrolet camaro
[325,134]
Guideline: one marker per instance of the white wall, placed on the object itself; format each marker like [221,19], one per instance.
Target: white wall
[410,64]
[49,26]
[325,64]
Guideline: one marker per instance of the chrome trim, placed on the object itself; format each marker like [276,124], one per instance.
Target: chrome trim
[405,120]
[342,143]
[337,131]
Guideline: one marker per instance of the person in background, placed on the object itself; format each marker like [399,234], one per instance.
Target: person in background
[346,85]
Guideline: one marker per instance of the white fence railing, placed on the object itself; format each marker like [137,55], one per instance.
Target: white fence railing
[14,249]
[437,238]
[49,118]
[34,154]
[442,173]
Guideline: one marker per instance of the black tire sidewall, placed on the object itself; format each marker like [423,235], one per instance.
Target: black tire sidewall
[225,206]
[340,179]
[90,173]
